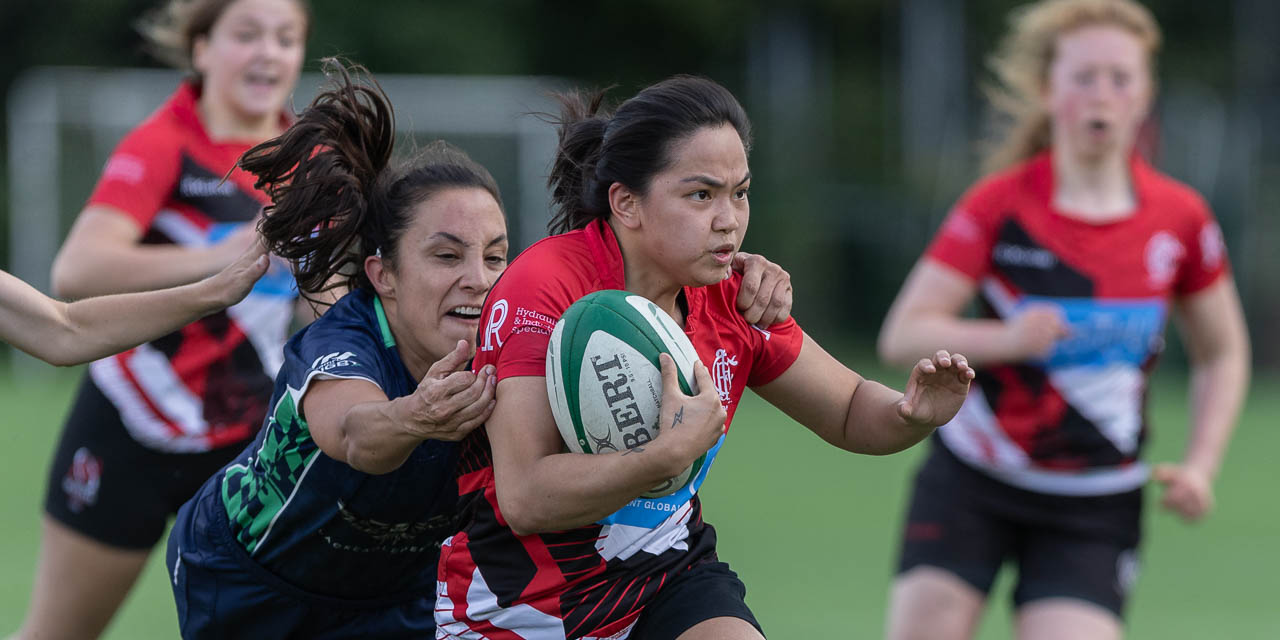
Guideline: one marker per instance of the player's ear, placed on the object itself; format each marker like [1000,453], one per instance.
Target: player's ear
[381,275]
[199,45]
[625,204]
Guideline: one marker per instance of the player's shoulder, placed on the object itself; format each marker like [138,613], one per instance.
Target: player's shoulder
[1171,196]
[350,324]
[994,192]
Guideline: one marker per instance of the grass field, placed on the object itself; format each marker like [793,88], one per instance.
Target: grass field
[811,530]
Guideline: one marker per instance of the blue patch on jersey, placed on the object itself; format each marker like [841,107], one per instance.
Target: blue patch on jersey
[1105,332]
[277,282]
[651,512]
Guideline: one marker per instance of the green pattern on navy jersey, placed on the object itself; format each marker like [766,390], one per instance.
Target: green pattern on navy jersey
[253,500]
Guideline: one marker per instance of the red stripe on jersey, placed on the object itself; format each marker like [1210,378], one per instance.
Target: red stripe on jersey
[146,399]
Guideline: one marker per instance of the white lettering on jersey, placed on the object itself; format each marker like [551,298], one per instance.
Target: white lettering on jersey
[497,316]
[1013,255]
[197,187]
[333,361]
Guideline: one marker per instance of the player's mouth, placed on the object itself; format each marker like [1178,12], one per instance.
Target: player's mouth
[1097,126]
[260,80]
[465,313]
[723,254]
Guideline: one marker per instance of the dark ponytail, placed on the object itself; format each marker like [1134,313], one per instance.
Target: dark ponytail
[630,146]
[336,199]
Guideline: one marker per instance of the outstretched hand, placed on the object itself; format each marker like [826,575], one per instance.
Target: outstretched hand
[451,401]
[936,389]
[233,283]
[764,298]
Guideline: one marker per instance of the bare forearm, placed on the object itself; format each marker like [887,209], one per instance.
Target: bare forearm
[1217,394]
[983,341]
[98,327]
[873,425]
[567,490]
[107,269]
[372,437]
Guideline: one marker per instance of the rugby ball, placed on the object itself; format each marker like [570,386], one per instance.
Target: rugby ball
[604,379]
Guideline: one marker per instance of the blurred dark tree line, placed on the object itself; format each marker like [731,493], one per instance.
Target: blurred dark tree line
[865,111]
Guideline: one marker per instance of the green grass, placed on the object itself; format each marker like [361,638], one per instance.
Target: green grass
[812,530]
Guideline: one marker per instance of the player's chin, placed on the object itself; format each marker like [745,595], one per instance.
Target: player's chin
[708,275]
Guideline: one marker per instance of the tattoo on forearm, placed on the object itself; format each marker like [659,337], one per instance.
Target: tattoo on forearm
[678,419]
[632,450]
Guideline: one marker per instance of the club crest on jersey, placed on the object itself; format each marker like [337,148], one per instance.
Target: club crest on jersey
[82,480]
[722,374]
[1163,253]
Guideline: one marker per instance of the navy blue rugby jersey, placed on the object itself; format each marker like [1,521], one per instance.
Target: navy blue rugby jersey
[316,522]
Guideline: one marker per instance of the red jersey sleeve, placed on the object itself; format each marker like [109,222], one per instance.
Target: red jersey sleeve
[140,174]
[967,235]
[776,350]
[1206,258]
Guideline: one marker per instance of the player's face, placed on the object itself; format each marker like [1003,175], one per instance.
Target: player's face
[453,251]
[251,57]
[695,213]
[1099,91]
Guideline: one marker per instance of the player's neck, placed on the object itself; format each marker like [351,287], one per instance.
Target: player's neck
[413,355]
[223,124]
[1094,190]
[647,278]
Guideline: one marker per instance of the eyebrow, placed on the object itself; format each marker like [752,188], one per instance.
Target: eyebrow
[712,182]
[452,238]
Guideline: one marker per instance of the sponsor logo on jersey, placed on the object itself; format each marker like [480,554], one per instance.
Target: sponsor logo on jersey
[1014,255]
[722,374]
[201,187]
[333,361]
[82,480]
[497,316]
[1162,255]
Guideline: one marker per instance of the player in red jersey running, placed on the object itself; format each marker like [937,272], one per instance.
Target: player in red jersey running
[149,425]
[652,199]
[1077,251]
[66,334]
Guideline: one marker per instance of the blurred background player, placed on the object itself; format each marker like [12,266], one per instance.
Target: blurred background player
[150,425]
[652,199]
[66,334]
[1077,251]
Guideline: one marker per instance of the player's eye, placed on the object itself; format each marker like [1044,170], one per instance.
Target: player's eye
[741,194]
[447,256]
[1084,78]
[701,195]
[245,35]
[496,260]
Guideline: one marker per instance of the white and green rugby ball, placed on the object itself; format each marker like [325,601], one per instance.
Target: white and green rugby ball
[604,379]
